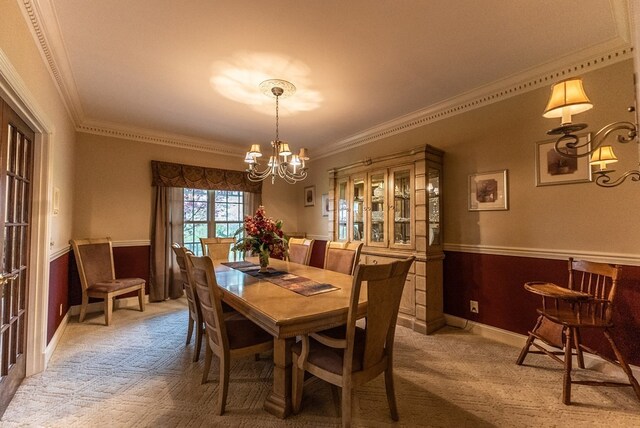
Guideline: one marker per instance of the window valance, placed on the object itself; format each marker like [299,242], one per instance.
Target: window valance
[167,174]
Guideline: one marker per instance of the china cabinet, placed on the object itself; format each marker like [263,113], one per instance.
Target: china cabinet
[393,205]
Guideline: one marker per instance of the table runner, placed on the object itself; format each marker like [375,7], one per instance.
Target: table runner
[290,281]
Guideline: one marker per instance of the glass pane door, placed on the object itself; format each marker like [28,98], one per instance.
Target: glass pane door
[358,209]
[434,195]
[343,211]
[377,192]
[402,204]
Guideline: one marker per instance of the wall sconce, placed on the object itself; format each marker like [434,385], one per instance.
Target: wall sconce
[568,98]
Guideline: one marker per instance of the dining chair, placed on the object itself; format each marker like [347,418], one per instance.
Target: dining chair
[300,250]
[342,256]
[586,303]
[350,355]
[217,248]
[195,314]
[94,258]
[226,337]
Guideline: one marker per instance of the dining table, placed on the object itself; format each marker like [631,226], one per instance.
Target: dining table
[285,313]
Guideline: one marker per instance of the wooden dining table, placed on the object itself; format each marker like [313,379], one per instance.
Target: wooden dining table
[285,314]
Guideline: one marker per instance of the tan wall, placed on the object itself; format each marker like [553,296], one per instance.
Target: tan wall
[502,135]
[114,193]
[18,45]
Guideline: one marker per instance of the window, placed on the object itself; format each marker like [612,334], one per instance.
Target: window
[211,213]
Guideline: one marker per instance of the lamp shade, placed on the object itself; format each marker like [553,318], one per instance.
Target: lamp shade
[255,150]
[284,149]
[603,156]
[304,154]
[567,98]
[248,158]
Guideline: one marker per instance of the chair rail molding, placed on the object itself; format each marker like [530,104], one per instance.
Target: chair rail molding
[546,253]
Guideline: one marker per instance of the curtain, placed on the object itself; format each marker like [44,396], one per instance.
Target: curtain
[169,179]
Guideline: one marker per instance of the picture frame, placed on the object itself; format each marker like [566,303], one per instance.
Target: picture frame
[488,191]
[309,196]
[553,169]
[325,205]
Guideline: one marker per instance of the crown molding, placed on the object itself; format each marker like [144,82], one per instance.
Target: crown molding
[603,55]
[160,138]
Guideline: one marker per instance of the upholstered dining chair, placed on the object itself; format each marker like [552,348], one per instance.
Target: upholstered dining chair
[195,314]
[300,250]
[342,256]
[94,258]
[349,355]
[587,303]
[217,248]
[226,337]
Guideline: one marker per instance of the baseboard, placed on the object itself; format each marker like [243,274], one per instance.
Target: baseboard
[126,302]
[51,346]
[516,340]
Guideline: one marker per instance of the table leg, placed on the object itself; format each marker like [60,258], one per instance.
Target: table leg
[278,401]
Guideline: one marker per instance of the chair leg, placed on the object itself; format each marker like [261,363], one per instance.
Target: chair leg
[189,330]
[223,387]
[530,339]
[141,299]
[566,388]
[198,346]
[346,406]
[207,361]
[577,341]
[297,382]
[391,394]
[623,364]
[83,307]
[108,308]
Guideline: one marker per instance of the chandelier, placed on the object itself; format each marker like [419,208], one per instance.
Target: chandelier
[282,162]
[568,98]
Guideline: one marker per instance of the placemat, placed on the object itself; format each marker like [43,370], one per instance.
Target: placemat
[290,281]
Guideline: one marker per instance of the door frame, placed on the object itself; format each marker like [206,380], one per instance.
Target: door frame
[14,91]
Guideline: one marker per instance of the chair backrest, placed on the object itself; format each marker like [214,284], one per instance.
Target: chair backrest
[182,259]
[216,248]
[385,283]
[203,279]
[342,256]
[94,258]
[597,279]
[300,250]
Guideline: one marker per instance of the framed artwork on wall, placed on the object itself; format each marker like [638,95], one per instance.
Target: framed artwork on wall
[553,168]
[488,191]
[309,196]
[325,205]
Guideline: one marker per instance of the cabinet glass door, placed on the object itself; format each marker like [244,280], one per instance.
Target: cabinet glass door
[377,209]
[402,206]
[342,207]
[434,195]
[358,209]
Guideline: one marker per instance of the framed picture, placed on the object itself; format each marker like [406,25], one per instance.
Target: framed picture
[553,168]
[488,191]
[309,196]
[325,205]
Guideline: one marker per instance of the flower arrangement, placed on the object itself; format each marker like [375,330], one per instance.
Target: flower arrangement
[263,237]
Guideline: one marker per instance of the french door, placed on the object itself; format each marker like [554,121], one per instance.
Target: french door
[16,166]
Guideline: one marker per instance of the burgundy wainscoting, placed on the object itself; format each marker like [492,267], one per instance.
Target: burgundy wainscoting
[58,293]
[130,262]
[317,253]
[496,282]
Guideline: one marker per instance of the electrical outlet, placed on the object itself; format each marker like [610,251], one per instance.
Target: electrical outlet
[60,309]
[473,306]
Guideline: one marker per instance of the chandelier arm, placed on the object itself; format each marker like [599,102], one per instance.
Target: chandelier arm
[571,140]
[603,179]
[256,176]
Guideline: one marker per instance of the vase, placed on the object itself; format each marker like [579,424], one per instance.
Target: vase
[264,261]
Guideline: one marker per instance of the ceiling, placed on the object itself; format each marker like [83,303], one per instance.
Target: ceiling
[190,70]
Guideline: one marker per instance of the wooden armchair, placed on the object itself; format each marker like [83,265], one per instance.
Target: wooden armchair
[342,256]
[300,250]
[94,258]
[227,337]
[349,355]
[587,303]
[195,314]
[217,248]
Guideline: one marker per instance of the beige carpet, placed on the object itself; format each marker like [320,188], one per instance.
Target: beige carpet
[138,373]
